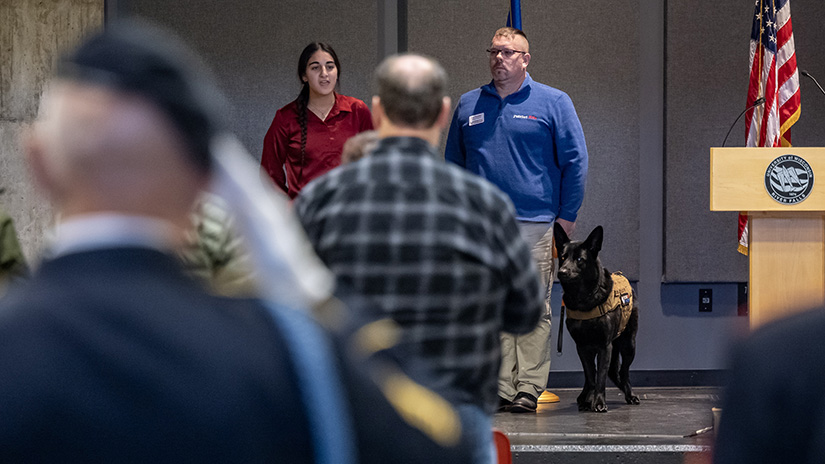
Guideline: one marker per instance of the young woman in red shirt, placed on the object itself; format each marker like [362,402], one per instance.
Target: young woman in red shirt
[307,135]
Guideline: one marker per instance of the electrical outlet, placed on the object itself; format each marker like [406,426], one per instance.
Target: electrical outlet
[705,300]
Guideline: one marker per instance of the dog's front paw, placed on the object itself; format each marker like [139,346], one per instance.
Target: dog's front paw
[633,399]
[598,405]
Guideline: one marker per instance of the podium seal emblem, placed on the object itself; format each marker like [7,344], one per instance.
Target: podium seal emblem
[789,179]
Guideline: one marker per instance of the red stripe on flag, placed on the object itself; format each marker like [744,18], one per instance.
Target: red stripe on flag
[787,70]
[783,34]
[790,106]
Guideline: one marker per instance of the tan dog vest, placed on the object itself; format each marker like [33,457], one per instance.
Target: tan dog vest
[621,297]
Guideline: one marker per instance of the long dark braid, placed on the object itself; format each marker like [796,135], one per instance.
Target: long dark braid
[303,97]
[303,102]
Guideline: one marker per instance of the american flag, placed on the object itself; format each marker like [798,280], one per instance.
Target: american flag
[773,75]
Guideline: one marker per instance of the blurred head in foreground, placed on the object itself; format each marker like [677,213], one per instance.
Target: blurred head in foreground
[125,127]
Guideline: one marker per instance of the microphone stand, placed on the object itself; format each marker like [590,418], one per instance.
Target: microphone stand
[756,103]
[805,73]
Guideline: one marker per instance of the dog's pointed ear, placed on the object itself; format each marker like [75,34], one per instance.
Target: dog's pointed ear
[560,237]
[594,240]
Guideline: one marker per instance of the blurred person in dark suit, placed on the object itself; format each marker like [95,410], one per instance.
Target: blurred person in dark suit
[774,409]
[110,352]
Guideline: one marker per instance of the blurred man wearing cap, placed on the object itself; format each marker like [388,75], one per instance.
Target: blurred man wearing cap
[111,353]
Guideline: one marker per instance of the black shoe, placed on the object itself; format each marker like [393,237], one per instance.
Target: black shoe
[524,402]
[504,405]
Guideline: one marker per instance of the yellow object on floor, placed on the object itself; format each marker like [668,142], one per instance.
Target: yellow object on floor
[548,397]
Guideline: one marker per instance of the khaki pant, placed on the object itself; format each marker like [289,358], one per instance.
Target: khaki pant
[525,359]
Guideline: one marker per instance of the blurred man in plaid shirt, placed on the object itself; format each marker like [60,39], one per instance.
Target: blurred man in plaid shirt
[434,246]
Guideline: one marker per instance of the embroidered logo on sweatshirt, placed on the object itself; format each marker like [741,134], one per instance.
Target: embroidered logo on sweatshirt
[476,119]
[523,116]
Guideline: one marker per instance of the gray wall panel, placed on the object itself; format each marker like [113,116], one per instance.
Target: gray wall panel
[254,46]
[599,73]
[707,80]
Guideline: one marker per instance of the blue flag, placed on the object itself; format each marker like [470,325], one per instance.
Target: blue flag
[515,14]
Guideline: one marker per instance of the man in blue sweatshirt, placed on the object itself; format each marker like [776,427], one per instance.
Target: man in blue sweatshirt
[526,138]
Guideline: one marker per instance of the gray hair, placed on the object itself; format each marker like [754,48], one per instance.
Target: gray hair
[411,88]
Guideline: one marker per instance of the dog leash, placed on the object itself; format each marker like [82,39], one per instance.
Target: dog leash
[561,331]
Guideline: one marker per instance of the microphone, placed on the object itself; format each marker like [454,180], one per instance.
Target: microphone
[805,73]
[758,102]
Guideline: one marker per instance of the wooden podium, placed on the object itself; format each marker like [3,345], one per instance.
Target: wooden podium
[786,236]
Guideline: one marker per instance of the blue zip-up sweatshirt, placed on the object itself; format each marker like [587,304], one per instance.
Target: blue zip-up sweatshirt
[530,144]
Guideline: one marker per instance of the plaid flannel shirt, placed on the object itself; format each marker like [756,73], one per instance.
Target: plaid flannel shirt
[435,247]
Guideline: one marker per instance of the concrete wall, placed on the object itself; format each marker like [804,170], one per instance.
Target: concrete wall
[32,35]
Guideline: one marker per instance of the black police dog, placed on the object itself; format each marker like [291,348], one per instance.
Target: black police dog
[586,285]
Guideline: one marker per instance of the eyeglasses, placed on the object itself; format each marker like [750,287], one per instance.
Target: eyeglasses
[504,52]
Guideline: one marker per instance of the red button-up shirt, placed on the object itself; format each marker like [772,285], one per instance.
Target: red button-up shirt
[281,156]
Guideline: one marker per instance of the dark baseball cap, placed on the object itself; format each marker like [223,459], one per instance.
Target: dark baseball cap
[137,57]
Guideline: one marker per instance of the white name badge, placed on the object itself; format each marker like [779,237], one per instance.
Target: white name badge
[476,119]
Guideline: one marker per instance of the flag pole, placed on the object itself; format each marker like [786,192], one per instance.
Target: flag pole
[515,14]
